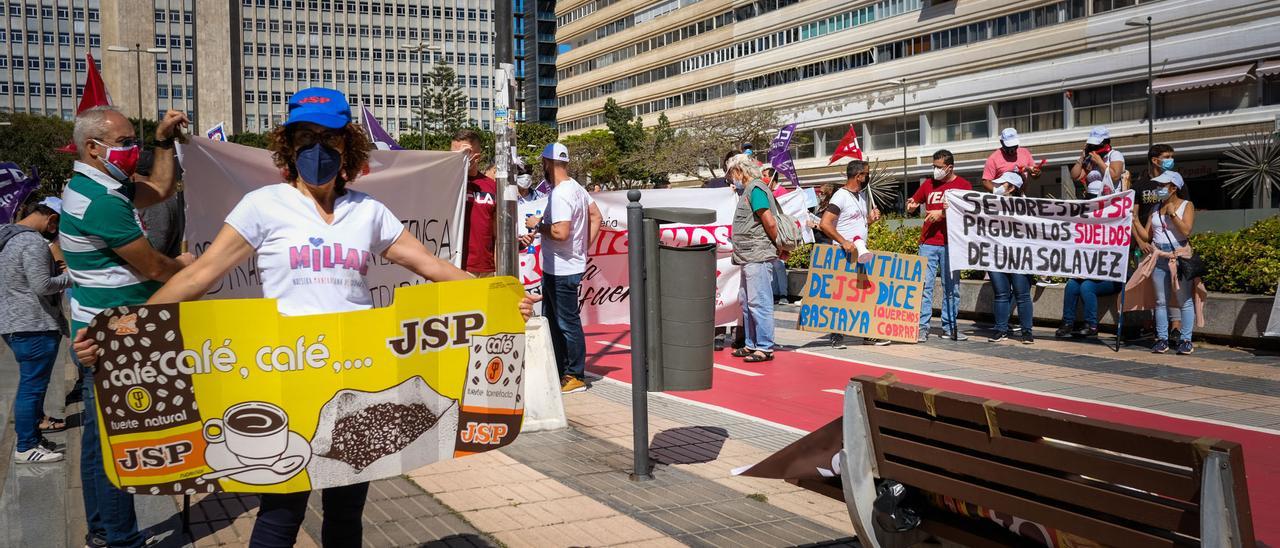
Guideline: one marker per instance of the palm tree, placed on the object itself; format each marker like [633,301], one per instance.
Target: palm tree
[1254,168]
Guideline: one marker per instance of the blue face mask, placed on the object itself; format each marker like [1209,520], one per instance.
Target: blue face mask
[749,152]
[1166,164]
[318,164]
[1162,194]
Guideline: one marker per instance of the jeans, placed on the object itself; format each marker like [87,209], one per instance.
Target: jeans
[280,517]
[1007,287]
[756,295]
[108,510]
[1087,291]
[36,353]
[1184,300]
[936,257]
[560,306]
[780,289]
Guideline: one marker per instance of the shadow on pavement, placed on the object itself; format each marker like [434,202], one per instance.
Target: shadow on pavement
[456,541]
[688,445]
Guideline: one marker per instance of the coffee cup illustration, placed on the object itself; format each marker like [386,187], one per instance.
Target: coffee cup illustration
[255,432]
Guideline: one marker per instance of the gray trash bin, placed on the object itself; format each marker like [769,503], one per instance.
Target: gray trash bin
[687,300]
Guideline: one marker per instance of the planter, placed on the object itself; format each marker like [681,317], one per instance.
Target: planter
[1230,318]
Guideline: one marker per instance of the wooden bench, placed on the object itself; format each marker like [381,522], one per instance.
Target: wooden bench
[1115,485]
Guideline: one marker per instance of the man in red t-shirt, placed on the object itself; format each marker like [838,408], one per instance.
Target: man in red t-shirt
[480,218]
[933,244]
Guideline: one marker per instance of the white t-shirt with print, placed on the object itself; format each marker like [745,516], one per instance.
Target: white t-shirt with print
[309,266]
[1106,186]
[852,220]
[568,201]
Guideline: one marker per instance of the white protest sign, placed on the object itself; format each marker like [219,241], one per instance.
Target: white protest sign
[1014,234]
[423,189]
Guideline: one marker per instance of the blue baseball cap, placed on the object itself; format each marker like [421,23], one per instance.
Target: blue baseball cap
[322,106]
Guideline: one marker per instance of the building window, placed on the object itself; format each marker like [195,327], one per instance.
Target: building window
[1110,104]
[1213,100]
[885,134]
[958,124]
[1271,89]
[1100,6]
[162,92]
[1043,113]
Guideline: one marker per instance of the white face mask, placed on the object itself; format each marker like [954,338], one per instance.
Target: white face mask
[1000,190]
[524,181]
[939,173]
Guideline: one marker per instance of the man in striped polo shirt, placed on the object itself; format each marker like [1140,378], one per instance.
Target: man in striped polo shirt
[112,264]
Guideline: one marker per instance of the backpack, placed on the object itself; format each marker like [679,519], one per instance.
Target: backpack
[789,235]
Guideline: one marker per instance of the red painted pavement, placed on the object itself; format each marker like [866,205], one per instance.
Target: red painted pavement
[790,391]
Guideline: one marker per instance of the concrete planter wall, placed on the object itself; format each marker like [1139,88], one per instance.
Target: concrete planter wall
[1237,319]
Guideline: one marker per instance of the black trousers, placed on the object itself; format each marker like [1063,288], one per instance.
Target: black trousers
[280,517]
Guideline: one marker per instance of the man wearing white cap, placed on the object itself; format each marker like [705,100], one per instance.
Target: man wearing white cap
[568,225]
[1007,286]
[1100,157]
[31,322]
[1010,157]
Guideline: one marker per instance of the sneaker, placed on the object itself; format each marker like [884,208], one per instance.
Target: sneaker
[1063,332]
[876,342]
[48,444]
[91,541]
[1028,338]
[837,342]
[924,337]
[959,337]
[1175,337]
[999,336]
[36,455]
[1160,347]
[1086,331]
[572,385]
[1185,347]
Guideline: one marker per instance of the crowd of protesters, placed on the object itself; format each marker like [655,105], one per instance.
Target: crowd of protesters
[115,238]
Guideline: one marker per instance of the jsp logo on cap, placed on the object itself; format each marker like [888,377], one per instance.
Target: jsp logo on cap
[315,99]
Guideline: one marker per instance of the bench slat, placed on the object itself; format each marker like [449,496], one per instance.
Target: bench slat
[1066,459]
[1094,529]
[1015,419]
[1145,512]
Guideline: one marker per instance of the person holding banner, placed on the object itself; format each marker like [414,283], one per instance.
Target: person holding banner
[933,244]
[1010,286]
[320,151]
[755,248]
[845,221]
[1009,157]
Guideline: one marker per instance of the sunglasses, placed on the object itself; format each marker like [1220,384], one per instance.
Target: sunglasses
[122,143]
[303,138]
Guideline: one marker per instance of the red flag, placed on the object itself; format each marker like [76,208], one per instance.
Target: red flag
[95,95]
[848,146]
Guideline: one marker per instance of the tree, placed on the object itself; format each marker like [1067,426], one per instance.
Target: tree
[531,138]
[249,139]
[31,142]
[594,157]
[444,107]
[628,130]
[704,141]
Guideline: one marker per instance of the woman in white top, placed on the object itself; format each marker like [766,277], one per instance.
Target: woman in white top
[1099,166]
[319,151]
[1168,231]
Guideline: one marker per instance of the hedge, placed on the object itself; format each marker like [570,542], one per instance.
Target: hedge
[1244,261]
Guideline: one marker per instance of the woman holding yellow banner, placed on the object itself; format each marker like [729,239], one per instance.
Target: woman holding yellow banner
[314,241]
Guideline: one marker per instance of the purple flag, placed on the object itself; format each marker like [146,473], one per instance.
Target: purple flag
[780,154]
[379,136]
[14,188]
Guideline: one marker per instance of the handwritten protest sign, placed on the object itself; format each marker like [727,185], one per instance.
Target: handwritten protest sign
[228,395]
[1014,234]
[878,299]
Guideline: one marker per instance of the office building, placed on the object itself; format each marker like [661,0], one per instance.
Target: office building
[963,69]
[535,53]
[238,61]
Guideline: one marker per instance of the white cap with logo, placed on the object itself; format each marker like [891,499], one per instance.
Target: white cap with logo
[557,152]
[1168,177]
[1009,137]
[1009,177]
[55,203]
[1098,135]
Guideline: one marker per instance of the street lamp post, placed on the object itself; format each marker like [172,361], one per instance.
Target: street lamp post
[422,48]
[903,83]
[1151,96]
[138,51]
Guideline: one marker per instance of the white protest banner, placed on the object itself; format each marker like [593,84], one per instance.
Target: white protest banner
[423,189]
[1014,234]
[606,286]
[530,268]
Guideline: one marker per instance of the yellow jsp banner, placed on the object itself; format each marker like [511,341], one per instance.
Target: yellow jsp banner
[879,299]
[229,395]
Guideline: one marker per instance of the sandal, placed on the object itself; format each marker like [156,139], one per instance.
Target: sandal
[51,425]
[741,353]
[759,356]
